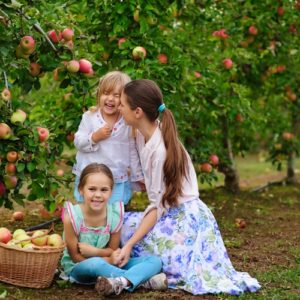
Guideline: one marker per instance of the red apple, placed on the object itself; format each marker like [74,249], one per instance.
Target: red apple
[60,172]
[69,44]
[40,238]
[55,240]
[43,134]
[221,34]
[162,58]
[253,30]
[68,34]
[73,66]
[10,181]
[206,168]
[121,41]
[240,223]
[18,116]
[10,168]
[20,53]
[293,28]
[139,53]
[85,66]
[239,118]
[197,74]
[27,44]
[6,94]
[70,137]
[280,68]
[34,69]
[297,5]
[55,36]
[214,159]
[287,136]
[291,96]
[5,131]
[5,235]
[280,11]
[2,189]
[227,63]
[18,216]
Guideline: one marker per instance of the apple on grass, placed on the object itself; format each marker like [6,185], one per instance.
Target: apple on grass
[55,240]
[12,156]
[40,238]
[43,134]
[139,53]
[18,216]
[18,116]
[5,235]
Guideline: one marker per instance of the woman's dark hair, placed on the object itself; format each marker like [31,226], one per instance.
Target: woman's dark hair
[147,95]
[92,169]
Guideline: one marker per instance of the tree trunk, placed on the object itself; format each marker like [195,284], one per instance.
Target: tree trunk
[227,167]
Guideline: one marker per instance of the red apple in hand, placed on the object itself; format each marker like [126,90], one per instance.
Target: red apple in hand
[18,216]
[227,63]
[206,168]
[68,34]
[139,53]
[18,116]
[5,235]
[43,134]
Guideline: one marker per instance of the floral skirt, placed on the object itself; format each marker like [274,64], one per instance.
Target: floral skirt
[188,241]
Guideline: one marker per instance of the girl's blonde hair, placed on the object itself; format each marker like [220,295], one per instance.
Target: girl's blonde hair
[109,81]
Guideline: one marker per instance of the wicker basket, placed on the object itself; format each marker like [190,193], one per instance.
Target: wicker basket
[33,268]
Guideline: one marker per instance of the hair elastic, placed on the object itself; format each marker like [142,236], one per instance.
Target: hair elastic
[161,108]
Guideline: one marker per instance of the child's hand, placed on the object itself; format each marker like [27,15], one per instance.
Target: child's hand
[115,259]
[102,133]
[87,250]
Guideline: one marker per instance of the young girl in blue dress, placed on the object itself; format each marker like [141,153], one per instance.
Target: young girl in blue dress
[92,236]
[177,226]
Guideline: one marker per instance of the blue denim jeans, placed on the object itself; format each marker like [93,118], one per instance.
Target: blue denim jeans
[121,192]
[137,270]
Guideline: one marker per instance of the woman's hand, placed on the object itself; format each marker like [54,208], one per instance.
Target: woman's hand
[124,256]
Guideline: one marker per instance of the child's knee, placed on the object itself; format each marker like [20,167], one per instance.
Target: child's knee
[155,261]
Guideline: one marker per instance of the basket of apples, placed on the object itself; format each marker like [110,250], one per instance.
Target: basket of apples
[29,259]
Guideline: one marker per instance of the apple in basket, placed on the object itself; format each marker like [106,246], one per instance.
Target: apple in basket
[40,238]
[17,232]
[5,235]
[22,238]
[55,240]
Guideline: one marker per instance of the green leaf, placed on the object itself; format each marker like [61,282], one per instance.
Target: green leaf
[31,166]
[20,167]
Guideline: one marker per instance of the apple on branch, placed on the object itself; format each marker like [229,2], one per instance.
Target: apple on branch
[43,134]
[214,159]
[206,168]
[227,63]
[27,44]
[6,94]
[73,66]
[67,34]
[55,36]
[10,181]
[162,58]
[10,168]
[85,66]
[34,69]
[139,53]
[121,41]
[5,131]
[18,116]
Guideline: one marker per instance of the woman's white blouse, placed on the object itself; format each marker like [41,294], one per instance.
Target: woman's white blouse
[153,155]
[118,151]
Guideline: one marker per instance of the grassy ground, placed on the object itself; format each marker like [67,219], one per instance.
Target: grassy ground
[268,247]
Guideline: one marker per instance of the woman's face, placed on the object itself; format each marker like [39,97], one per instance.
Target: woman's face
[127,113]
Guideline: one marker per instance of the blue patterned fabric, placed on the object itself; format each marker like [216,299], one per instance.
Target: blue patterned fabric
[188,241]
